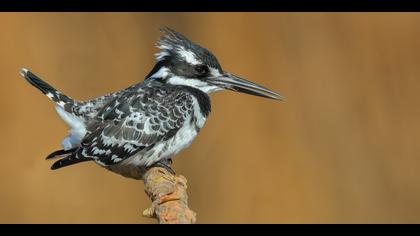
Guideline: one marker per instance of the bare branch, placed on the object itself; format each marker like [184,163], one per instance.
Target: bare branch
[169,197]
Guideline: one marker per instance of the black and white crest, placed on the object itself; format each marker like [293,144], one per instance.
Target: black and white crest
[177,46]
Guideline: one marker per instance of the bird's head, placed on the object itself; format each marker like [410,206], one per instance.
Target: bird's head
[182,62]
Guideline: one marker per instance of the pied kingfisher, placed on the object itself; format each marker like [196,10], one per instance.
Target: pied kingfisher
[148,123]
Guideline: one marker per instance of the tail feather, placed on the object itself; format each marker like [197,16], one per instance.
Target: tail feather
[60,153]
[69,160]
[52,93]
[68,157]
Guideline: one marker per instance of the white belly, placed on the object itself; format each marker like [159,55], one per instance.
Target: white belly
[164,150]
[135,166]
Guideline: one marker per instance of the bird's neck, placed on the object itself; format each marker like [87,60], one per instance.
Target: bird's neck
[203,98]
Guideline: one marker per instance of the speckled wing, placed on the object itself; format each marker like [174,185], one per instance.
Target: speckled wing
[136,120]
[90,109]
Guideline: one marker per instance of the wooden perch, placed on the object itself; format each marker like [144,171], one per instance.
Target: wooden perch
[169,197]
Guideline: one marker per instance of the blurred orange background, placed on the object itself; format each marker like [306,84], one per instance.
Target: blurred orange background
[342,148]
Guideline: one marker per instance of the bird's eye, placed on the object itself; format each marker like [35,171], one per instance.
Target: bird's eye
[201,69]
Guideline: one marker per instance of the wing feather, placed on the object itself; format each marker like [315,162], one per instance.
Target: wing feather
[134,121]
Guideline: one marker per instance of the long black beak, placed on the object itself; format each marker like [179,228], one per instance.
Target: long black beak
[232,82]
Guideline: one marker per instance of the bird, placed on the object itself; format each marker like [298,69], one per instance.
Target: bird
[148,123]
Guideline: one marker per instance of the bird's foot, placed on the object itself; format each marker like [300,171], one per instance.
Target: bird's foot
[166,164]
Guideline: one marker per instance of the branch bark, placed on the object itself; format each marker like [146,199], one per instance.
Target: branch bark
[169,197]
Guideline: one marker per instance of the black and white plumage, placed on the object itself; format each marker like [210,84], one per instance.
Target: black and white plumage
[149,122]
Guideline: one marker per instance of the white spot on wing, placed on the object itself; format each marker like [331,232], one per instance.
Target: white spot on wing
[97,151]
[115,158]
[129,148]
[109,141]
